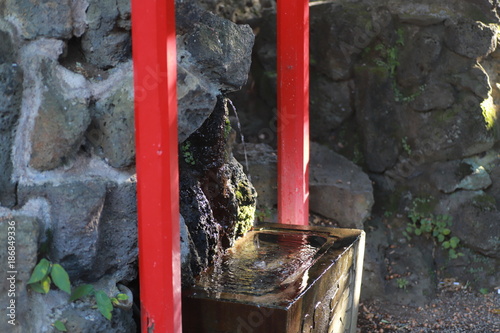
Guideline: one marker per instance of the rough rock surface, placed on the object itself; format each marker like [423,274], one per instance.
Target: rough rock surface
[213,57]
[453,175]
[116,243]
[105,43]
[10,102]
[330,106]
[62,119]
[112,131]
[213,188]
[20,251]
[471,38]
[262,165]
[75,223]
[55,22]
[475,220]
[338,188]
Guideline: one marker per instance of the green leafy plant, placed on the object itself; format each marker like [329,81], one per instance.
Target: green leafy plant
[104,303]
[187,154]
[484,291]
[46,273]
[406,145]
[60,326]
[402,283]
[389,60]
[423,222]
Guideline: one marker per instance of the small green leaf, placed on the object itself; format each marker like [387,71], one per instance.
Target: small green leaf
[453,254]
[37,287]
[60,278]
[59,325]
[81,291]
[104,304]
[454,241]
[446,244]
[484,291]
[446,231]
[440,238]
[45,284]
[122,297]
[409,229]
[41,271]
[418,232]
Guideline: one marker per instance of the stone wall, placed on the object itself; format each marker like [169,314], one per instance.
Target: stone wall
[67,154]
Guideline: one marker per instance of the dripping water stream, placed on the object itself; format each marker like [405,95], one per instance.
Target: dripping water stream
[242,138]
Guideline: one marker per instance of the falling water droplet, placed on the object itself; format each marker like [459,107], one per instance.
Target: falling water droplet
[242,137]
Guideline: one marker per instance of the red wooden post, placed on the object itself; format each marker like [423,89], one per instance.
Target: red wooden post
[155,74]
[293,111]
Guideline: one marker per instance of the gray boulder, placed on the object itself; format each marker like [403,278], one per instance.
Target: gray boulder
[116,243]
[62,117]
[10,103]
[338,188]
[20,243]
[454,175]
[47,19]
[262,165]
[472,39]
[11,91]
[330,105]
[74,226]
[213,56]
[105,44]
[353,27]
[196,97]
[220,48]
[378,117]
[475,220]
[112,131]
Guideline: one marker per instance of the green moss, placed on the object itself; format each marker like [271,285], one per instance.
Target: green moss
[489,111]
[423,206]
[227,127]
[246,208]
[246,216]
[444,117]
[484,202]
[264,214]
[385,58]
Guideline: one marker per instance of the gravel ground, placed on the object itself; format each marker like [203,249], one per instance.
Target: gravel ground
[453,311]
[456,309]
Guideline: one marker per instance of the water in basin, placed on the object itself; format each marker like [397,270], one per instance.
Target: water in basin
[264,261]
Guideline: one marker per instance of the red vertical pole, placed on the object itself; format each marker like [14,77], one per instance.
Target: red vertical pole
[155,73]
[293,111]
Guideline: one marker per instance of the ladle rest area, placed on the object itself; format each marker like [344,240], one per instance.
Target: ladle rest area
[280,279]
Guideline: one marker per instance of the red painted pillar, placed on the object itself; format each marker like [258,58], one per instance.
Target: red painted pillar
[154,55]
[293,111]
